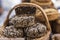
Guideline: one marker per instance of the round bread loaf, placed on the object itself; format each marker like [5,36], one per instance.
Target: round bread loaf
[43,0]
[51,13]
[24,21]
[37,30]
[11,32]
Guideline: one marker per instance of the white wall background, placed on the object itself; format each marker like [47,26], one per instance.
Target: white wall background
[56,3]
[7,4]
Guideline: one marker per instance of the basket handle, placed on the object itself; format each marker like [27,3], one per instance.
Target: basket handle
[28,4]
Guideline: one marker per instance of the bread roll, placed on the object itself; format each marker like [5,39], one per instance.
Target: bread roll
[37,30]
[11,32]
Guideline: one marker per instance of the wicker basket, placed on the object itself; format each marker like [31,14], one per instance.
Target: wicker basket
[46,36]
[51,13]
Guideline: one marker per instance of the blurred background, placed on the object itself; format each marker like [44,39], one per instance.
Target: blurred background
[6,5]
